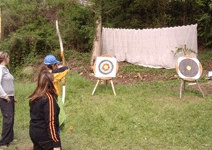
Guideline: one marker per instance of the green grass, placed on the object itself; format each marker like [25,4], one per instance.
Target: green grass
[144,116]
[137,69]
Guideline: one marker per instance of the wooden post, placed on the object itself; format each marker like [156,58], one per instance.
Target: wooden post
[184,50]
[95,86]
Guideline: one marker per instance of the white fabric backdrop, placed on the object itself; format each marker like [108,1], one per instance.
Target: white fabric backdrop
[149,47]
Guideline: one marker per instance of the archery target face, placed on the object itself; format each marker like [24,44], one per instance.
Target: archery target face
[105,67]
[189,68]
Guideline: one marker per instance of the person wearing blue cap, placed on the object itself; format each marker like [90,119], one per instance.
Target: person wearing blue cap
[52,65]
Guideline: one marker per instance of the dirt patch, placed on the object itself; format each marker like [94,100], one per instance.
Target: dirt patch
[83,68]
[132,78]
[124,78]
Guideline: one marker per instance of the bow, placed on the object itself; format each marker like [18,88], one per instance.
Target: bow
[63,62]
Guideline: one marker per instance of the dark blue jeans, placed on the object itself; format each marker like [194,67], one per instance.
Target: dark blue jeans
[8,112]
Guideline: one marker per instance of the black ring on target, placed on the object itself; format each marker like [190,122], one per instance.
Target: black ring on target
[105,67]
[188,68]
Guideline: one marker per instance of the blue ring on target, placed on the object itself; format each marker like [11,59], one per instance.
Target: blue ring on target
[105,67]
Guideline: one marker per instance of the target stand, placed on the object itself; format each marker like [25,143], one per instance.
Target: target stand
[189,69]
[105,69]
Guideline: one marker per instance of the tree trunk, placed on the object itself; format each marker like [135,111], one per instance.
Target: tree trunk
[96,51]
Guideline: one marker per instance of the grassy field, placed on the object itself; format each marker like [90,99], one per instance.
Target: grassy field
[143,116]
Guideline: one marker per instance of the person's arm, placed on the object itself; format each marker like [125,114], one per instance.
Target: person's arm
[2,92]
[59,76]
[51,118]
[61,69]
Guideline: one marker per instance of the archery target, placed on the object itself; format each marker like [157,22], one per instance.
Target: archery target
[105,67]
[189,68]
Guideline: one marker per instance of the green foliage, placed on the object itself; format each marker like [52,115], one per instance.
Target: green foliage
[147,14]
[178,50]
[29,29]
[162,13]
[205,30]
[78,27]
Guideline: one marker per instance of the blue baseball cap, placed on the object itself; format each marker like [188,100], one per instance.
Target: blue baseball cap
[50,60]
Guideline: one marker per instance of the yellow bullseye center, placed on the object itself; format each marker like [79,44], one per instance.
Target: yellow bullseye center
[106,67]
[188,68]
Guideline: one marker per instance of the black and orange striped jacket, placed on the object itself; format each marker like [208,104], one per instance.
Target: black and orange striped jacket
[44,123]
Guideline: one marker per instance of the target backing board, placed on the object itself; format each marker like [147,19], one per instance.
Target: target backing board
[189,68]
[105,67]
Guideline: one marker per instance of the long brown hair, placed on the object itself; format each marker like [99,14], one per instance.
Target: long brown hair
[44,85]
[43,68]
[46,68]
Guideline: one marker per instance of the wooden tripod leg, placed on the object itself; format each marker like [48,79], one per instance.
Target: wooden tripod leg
[95,86]
[182,87]
[200,89]
[184,84]
[114,92]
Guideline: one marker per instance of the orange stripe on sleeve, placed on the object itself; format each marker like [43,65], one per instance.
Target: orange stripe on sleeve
[51,118]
